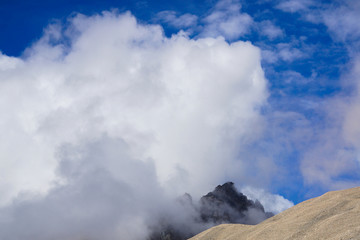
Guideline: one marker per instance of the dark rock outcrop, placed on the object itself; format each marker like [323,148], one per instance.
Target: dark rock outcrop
[226,205]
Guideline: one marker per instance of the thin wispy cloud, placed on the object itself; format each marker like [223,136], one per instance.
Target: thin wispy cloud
[270,30]
[295,5]
[183,21]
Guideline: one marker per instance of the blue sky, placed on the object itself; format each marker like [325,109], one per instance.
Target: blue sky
[262,93]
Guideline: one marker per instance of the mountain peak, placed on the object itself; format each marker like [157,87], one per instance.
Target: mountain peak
[226,205]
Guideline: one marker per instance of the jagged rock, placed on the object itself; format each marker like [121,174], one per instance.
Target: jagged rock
[226,205]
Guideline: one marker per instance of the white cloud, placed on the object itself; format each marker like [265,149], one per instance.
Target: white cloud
[98,201]
[351,127]
[183,21]
[272,202]
[227,20]
[7,63]
[287,52]
[343,21]
[295,5]
[270,30]
[341,17]
[332,161]
[120,107]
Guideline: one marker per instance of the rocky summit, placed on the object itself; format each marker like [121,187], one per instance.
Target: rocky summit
[226,205]
[223,205]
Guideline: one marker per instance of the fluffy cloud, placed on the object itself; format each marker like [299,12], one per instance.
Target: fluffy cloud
[104,117]
[226,20]
[107,194]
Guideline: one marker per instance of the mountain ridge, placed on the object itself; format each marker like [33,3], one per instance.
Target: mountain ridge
[334,215]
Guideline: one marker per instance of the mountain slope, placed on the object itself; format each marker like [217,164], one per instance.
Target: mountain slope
[334,215]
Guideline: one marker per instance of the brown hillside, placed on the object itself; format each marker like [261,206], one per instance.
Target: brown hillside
[334,215]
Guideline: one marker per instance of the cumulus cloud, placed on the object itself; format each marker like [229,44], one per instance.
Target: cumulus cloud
[7,63]
[107,194]
[226,20]
[105,117]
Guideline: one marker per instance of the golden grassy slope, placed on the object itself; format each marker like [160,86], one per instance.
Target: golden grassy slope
[334,215]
